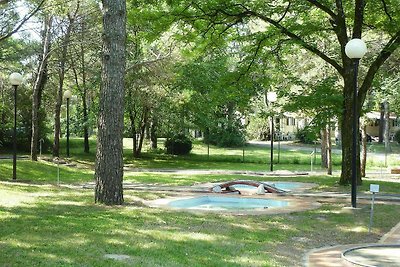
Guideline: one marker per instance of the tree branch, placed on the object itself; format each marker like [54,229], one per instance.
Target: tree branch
[324,8]
[137,66]
[358,18]
[385,8]
[299,40]
[386,52]
[253,58]
[214,19]
[340,29]
[285,13]
[22,22]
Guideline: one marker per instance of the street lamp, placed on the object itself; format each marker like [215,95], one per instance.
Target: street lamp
[355,49]
[15,80]
[272,97]
[67,95]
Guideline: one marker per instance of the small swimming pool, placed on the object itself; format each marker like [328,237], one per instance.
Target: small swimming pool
[387,255]
[235,205]
[227,203]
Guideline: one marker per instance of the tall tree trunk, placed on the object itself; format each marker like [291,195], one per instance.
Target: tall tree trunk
[61,76]
[40,81]
[324,148]
[347,133]
[387,127]
[329,149]
[109,156]
[147,131]
[132,116]
[83,90]
[363,149]
[381,123]
[86,146]
[153,132]
[143,126]
[57,112]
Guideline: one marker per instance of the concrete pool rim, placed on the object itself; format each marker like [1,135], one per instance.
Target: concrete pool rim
[295,204]
[369,246]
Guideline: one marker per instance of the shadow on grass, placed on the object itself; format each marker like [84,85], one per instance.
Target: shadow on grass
[67,229]
[66,234]
[40,172]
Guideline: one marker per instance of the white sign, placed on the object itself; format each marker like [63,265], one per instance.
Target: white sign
[374,188]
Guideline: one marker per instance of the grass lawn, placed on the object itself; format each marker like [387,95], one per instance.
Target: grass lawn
[42,224]
[46,225]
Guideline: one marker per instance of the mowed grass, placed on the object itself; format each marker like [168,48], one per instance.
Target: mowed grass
[255,157]
[43,224]
[58,226]
[44,172]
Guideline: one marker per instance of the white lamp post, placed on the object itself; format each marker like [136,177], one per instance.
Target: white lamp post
[67,96]
[272,97]
[15,80]
[355,49]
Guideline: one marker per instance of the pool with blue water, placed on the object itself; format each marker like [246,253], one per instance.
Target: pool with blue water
[227,203]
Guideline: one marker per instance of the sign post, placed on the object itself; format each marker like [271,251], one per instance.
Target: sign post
[311,160]
[373,188]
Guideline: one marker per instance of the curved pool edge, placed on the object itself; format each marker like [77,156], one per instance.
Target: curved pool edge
[299,187]
[369,246]
[295,205]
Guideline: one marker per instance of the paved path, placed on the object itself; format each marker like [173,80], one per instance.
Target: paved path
[128,169]
[332,256]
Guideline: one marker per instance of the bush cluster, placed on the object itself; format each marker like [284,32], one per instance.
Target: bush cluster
[307,135]
[230,136]
[397,136]
[179,144]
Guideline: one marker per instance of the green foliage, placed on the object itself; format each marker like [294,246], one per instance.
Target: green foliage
[397,136]
[258,128]
[228,134]
[78,229]
[320,100]
[24,122]
[179,144]
[307,135]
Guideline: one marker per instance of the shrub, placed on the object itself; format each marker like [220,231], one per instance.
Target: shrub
[179,144]
[307,135]
[397,136]
[228,136]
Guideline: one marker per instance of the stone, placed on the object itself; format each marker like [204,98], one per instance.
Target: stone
[118,257]
[217,189]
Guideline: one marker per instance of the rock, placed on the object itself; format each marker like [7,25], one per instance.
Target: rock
[119,257]
[217,189]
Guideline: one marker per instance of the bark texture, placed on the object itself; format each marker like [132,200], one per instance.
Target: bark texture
[363,149]
[40,81]
[61,76]
[153,132]
[387,128]
[329,150]
[381,123]
[81,84]
[109,154]
[324,148]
